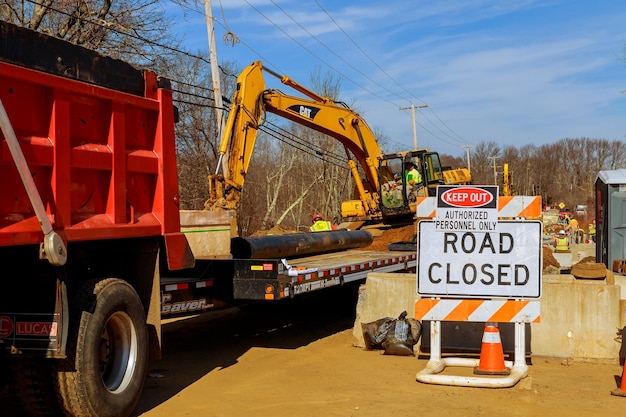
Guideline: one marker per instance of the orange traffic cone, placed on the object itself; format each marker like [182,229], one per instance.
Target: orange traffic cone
[621,391]
[491,355]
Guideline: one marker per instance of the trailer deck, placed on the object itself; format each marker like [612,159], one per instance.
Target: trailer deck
[218,283]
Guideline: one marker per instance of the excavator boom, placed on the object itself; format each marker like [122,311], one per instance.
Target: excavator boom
[252,99]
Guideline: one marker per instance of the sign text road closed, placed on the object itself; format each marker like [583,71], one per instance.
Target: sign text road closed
[504,263]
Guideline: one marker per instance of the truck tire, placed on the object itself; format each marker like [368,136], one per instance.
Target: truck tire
[107,350]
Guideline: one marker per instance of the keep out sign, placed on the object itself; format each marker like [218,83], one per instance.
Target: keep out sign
[503,263]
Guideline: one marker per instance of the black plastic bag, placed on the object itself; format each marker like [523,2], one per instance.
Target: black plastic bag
[394,336]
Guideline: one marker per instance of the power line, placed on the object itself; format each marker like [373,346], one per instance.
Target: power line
[336,54]
[269,63]
[387,74]
[367,56]
[320,59]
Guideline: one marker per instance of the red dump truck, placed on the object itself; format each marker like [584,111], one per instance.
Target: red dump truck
[91,242]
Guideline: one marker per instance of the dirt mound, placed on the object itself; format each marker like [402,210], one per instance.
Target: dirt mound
[385,236]
[275,230]
[552,229]
[549,259]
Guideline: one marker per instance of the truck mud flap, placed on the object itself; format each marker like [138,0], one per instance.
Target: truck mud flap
[34,328]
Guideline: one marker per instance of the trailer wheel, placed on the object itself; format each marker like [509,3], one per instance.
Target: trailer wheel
[107,350]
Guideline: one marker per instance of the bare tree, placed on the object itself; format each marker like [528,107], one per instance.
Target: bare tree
[482,162]
[133,30]
[196,131]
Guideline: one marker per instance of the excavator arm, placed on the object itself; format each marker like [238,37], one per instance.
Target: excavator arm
[237,143]
[322,114]
[252,99]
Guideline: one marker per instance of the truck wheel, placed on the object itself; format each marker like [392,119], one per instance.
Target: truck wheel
[107,349]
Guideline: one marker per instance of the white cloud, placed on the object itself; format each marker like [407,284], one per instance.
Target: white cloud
[511,71]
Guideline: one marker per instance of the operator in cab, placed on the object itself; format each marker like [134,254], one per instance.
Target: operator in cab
[414,184]
[321,225]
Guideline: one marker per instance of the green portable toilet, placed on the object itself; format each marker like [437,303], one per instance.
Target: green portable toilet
[611,216]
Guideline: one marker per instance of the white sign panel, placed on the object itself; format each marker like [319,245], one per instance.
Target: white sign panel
[470,208]
[504,263]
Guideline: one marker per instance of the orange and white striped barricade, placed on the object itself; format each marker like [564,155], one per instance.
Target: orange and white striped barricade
[477,264]
[509,207]
[489,311]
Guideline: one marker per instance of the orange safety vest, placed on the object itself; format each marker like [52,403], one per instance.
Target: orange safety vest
[321,226]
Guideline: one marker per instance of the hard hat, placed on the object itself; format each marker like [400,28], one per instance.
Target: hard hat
[317,217]
[562,232]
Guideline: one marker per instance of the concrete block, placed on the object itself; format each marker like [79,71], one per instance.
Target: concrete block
[564,259]
[582,251]
[579,318]
[577,252]
[383,295]
[209,232]
[620,280]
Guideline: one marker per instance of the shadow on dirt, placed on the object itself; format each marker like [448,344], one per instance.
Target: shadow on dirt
[193,347]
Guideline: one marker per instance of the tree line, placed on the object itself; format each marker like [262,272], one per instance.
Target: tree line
[561,172]
[289,179]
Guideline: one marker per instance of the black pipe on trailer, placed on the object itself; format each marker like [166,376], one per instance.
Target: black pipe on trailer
[297,244]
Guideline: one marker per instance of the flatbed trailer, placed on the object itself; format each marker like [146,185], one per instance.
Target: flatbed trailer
[215,283]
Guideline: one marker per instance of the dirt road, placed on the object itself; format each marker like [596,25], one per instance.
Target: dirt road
[296,359]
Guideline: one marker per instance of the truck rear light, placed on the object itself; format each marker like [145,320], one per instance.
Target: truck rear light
[269,292]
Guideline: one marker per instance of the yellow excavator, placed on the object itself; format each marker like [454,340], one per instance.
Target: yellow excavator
[381,195]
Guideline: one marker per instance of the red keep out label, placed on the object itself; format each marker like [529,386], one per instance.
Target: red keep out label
[6,326]
[467,197]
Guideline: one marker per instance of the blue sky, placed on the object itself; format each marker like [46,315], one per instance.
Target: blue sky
[511,71]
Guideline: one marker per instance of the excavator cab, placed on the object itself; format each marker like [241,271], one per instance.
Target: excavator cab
[399,188]
[432,172]
[398,195]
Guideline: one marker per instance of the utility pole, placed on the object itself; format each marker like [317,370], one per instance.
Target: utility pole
[495,169]
[467,156]
[215,74]
[412,108]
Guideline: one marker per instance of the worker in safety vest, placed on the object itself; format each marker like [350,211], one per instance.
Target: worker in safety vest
[414,186]
[592,230]
[572,228]
[321,225]
[561,242]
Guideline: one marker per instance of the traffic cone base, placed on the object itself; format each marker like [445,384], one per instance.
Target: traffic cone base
[621,391]
[491,354]
[618,393]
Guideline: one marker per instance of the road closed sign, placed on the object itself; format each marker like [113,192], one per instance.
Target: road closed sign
[504,263]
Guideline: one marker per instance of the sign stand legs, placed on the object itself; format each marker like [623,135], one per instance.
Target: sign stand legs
[436,364]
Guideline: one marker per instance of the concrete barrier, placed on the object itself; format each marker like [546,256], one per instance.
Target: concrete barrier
[209,232]
[579,318]
[383,295]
